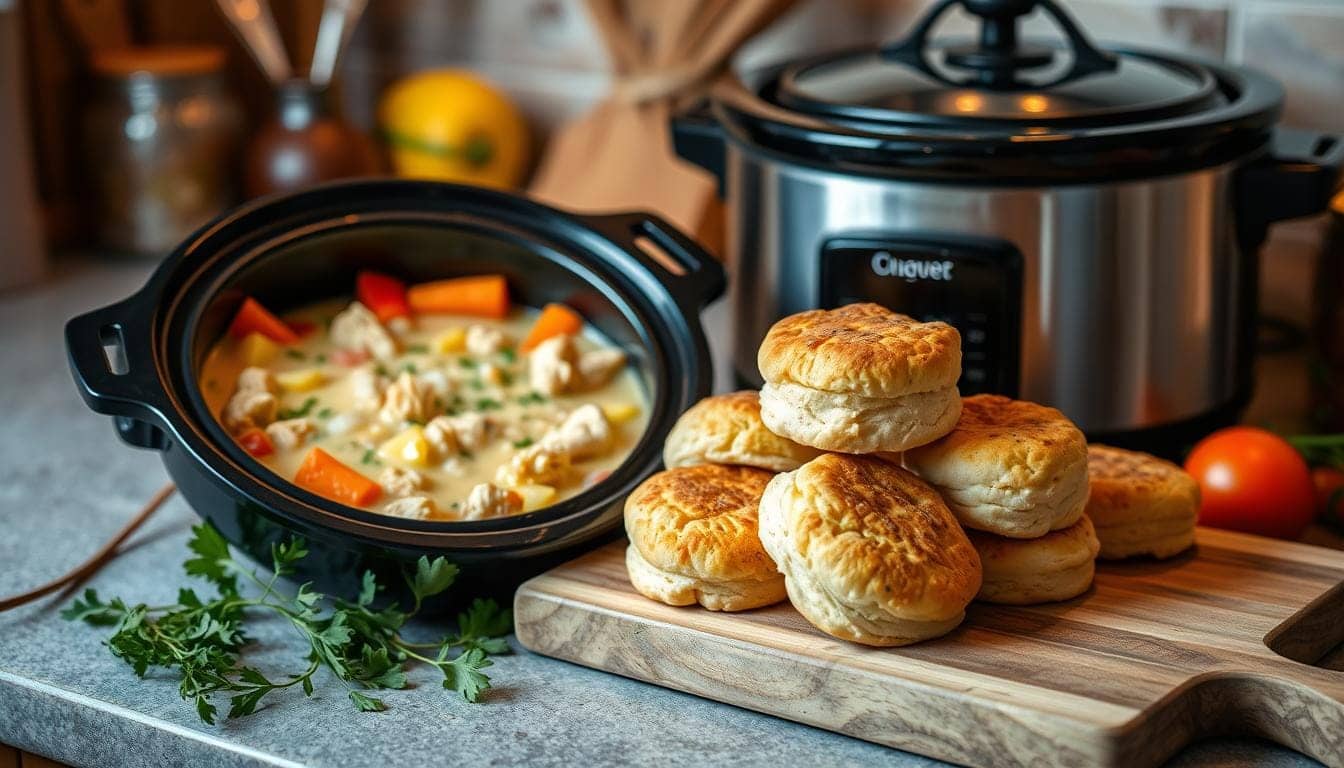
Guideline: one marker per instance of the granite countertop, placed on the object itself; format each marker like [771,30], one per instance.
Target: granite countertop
[67,484]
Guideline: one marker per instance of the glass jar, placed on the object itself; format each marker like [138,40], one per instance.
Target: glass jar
[161,138]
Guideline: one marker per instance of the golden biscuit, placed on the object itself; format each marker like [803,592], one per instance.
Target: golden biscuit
[1140,504]
[869,552]
[727,429]
[1057,566]
[693,539]
[859,379]
[1010,467]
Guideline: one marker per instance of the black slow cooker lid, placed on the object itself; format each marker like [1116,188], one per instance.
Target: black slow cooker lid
[876,88]
[997,79]
[1077,109]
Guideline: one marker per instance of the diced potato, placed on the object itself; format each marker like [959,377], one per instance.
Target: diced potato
[303,380]
[620,413]
[451,341]
[535,496]
[256,350]
[409,448]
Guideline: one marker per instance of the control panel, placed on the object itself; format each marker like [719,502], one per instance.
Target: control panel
[971,283]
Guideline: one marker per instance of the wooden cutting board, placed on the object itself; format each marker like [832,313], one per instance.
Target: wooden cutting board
[1158,654]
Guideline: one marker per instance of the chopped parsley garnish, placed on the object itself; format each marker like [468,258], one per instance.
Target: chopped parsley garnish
[417,349]
[508,354]
[476,384]
[295,413]
[203,638]
[409,367]
[325,413]
[321,358]
[370,458]
[505,378]
[466,362]
[525,442]
[380,369]
[295,354]
[487,404]
[532,398]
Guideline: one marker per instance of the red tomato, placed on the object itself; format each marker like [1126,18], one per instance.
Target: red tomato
[1329,483]
[303,328]
[1254,481]
[255,442]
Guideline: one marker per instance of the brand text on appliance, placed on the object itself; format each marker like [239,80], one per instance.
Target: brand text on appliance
[886,265]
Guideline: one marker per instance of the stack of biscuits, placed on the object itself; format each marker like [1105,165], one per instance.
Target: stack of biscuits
[860,485]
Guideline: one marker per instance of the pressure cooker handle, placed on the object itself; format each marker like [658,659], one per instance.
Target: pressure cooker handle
[111,357]
[690,273]
[697,138]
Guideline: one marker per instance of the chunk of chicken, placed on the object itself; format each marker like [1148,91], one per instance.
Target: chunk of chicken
[407,399]
[291,433]
[474,430]
[441,436]
[402,482]
[451,435]
[249,408]
[411,508]
[539,464]
[255,379]
[484,340]
[552,368]
[598,366]
[584,434]
[356,328]
[438,381]
[488,500]
[366,388]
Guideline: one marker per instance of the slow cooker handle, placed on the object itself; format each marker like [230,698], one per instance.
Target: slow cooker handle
[999,55]
[695,279]
[1297,177]
[698,139]
[111,359]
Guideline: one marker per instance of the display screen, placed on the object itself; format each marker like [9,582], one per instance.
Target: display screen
[974,284]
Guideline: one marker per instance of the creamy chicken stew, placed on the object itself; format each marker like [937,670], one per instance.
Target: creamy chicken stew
[437,402]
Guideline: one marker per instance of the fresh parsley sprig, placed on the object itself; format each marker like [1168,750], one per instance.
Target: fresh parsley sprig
[359,644]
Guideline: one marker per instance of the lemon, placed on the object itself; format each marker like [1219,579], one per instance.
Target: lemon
[449,125]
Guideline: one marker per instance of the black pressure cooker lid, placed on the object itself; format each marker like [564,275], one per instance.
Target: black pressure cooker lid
[1004,99]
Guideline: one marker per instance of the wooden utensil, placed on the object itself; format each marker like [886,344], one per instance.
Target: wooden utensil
[255,25]
[1159,654]
[339,18]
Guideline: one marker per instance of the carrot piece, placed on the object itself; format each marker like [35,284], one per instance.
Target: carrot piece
[256,442]
[254,318]
[554,320]
[324,475]
[480,295]
[385,296]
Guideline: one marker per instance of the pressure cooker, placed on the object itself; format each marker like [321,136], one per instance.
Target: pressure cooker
[1088,217]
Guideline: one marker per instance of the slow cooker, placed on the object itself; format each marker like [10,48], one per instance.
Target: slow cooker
[1087,217]
[632,276]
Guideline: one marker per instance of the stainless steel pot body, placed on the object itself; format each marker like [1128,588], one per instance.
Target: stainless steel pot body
[1133,295]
